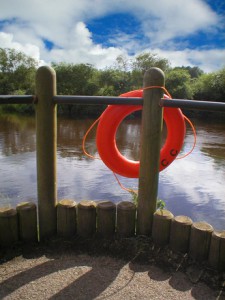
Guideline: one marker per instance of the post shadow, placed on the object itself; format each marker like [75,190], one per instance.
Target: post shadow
[93,282]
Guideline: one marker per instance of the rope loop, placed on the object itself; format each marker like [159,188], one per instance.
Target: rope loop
[158,87]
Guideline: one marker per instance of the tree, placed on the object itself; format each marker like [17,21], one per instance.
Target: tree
[76,79]
[194,72]
[114,81]
[142,63]
[178,83]
[210,86]
[17,72]
[122,63]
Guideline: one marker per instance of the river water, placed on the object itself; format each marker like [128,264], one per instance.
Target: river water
[193,186]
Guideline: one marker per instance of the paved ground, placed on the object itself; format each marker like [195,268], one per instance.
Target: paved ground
[73,275]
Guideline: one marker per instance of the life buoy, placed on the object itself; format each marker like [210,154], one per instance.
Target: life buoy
[106,137]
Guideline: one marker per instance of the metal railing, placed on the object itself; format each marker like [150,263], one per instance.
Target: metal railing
[14,99]
[109,100]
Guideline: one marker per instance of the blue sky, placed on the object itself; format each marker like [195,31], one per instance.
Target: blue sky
[98,31]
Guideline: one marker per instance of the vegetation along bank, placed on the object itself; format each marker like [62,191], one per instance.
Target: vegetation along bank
[17,77]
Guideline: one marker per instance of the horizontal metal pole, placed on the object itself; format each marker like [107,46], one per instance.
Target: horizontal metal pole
[110,100]
[97,100]
[193,104]
[19,99]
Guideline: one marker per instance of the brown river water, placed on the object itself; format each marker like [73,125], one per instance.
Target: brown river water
[193,186]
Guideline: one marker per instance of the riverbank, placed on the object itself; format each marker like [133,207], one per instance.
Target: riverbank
[101,269]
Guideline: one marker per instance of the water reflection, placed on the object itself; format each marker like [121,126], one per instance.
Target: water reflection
[198,179]
[70,134]
[17,134]
[128,138]
[192,186]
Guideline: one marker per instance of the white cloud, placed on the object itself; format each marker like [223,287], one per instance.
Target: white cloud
[27,23]
[6,41]
[81,49]
[207,60]
[178,18]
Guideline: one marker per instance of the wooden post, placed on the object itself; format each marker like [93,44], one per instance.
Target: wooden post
[200,240]
[161,227]
[180,234]
[27,216]
[150,150]
[126,217]
[66,218]
[86,218]
[106,219]
[46,150]
[8,227]
[217,250]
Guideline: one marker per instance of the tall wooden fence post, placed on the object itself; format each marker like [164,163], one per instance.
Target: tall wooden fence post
[46,150]
[150,150]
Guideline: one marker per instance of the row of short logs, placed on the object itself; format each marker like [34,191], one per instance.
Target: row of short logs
[103,218]
[89,218]
[198,239]
[18,224]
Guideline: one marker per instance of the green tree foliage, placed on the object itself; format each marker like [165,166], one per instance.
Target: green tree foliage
[194,72]
[17,76]
[76,79]
[142,63]
[178,83]
[116,79]
[210,87]
[17,72]
[113,82]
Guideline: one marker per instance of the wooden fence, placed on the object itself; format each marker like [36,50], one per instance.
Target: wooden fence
[105,219]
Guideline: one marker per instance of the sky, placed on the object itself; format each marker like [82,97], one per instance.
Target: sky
[186,32]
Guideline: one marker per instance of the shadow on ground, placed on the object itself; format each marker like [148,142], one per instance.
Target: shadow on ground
[99,269]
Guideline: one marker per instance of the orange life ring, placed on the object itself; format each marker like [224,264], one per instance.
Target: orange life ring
[106,133]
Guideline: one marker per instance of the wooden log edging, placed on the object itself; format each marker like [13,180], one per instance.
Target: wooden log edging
[126,219]
[66,218]
[86,218]
[180,234]
[9,233]
[106,220]
[161,227]
[217,250]
[27,221]
[200,239]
